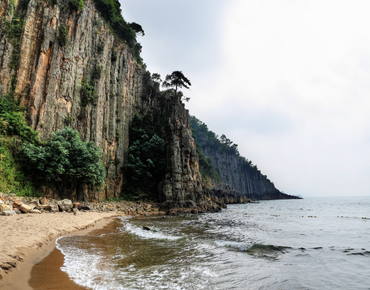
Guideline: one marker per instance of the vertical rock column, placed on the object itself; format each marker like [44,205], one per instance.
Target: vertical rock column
[183,181]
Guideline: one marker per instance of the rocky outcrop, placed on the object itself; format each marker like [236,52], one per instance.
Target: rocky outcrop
[182,189]
[47,79]
[229,168]
[183,180]
[225,194]
[248,180]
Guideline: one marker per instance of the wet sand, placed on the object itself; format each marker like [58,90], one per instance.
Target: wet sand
[27,240]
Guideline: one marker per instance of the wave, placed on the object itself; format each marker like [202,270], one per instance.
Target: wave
[86,269]
[149,234]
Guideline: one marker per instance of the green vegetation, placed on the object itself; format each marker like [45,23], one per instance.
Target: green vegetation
[151,85]
[64,161]
[68,120]
[97,72]
[13,30]
[176,80]
[27,164]
[203,135]
[146,158]
[111,12]
[87,96]
[223,145]
[63,35]
[14,131]
[13,122]
[87,93]
[12,177]
[113,55]
[76,5]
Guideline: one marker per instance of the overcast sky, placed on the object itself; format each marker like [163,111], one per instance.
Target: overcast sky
[287,80]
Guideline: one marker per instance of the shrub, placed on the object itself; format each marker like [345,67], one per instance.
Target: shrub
[87,93]
[63,35]
[113,55]
[97,72]
[100,47]
[14,30]
[12,178]
[76,5]
[146,157]
[68,120]
[13,121]
[65,161]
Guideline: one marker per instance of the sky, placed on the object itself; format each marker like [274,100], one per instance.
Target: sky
[286,80]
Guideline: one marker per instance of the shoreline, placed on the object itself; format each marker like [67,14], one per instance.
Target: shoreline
[28,239]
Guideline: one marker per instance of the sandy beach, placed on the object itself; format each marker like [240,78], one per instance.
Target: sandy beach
[27,239]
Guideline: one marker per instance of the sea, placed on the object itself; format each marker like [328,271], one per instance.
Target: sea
[312,243]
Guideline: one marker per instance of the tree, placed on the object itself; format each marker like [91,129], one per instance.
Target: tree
[146,157]
[151,85]
[136,28]
[64,161]
[176,80]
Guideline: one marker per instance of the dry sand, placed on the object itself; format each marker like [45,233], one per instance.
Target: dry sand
[27,239]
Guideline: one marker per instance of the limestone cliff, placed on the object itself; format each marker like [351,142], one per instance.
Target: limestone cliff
[47,78]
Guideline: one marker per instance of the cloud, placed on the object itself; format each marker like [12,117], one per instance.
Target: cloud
[289,81]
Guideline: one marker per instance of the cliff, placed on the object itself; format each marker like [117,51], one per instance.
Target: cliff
[69,67]
[47,78]
[87,78]
[231,168]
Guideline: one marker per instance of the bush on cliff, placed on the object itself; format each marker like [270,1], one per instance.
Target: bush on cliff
[64,161]
[14,131]
[12,178]
[63,35]
[111,12]
[146,160]
[76,5]
[13,121]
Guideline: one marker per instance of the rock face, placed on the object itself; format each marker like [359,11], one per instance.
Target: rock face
[245,179]
[47,79]
[226,194]
[183,181]
[232,168]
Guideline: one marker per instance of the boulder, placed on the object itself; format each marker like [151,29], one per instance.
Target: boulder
[42,206]
[4,198]
[26,208]
[65,204]
[5,207]
[150,229]
[52,207]
[35,202]
[17,211]
[43,201]
[76,205]
[35,211]
[8,212]
[17,204]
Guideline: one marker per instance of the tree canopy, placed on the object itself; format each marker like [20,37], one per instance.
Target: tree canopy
[64,161]
[146,158]
[176,80]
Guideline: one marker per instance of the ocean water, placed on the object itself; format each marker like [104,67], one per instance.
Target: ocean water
[314,243]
